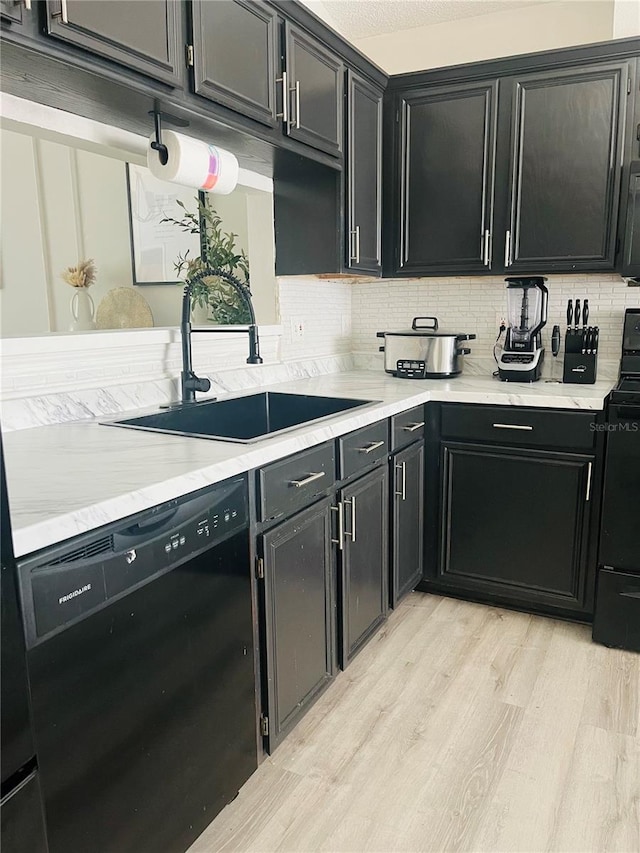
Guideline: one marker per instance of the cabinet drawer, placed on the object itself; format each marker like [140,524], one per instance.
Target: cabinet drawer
[519,426]
[407,427]
[363,448]
[288,485]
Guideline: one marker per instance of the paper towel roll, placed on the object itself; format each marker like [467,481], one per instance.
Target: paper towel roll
[193,163]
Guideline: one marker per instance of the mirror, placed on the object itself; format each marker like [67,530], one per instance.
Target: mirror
[64,204]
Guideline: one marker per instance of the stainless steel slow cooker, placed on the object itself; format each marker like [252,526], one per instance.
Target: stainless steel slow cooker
[423,352]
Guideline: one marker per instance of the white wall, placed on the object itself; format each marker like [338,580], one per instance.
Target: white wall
[518,30]
[626,18]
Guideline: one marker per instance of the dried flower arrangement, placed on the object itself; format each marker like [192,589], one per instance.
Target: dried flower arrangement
[83,275]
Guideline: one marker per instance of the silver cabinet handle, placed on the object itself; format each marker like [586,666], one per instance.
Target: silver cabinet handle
[340,510]
[413,427]
[27,5]
[507,249]
[298,484]
[295,122]
[284,115]
[513,426]
[402,494]
[486,254]
[357,244]
[63,14]
[371,447]
[588,497]
[352,533]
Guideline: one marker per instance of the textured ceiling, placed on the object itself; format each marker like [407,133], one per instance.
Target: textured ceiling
[357,19]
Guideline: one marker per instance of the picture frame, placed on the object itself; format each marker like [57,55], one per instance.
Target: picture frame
[155,245]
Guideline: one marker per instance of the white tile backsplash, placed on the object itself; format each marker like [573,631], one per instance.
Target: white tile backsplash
[476,304]
[324,307]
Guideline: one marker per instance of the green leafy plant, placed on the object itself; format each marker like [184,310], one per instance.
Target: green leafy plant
[218,250]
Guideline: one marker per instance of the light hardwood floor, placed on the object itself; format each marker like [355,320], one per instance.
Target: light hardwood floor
[460,727]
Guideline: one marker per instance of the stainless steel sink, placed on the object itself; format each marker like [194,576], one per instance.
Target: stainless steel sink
[243,419]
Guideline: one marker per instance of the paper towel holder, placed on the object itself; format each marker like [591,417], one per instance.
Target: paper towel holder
[158,118]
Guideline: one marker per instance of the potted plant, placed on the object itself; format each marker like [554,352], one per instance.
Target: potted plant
[217,251]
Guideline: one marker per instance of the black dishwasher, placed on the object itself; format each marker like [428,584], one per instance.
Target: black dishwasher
[140,656]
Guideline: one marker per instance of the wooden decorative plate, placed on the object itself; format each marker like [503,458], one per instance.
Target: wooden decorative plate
[123,308]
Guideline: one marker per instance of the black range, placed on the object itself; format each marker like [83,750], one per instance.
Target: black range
[617,611]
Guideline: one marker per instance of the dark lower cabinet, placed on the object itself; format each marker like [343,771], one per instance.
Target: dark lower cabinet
[364,176]
[299,617]
[515,525]
[235,56]
[567,140]
[143,35]
[314,89]
[444,189]
[407,513]
[364,589]
[22,828]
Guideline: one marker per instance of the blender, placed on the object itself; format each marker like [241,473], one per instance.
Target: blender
[523,353]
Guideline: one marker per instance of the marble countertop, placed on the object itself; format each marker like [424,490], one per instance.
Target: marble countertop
[70,478]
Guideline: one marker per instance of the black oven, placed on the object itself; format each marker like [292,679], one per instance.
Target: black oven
[617,611]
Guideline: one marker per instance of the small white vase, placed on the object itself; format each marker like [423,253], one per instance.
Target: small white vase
[82,311]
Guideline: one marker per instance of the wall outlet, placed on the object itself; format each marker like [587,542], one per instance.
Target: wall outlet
[501,320]
[297,328]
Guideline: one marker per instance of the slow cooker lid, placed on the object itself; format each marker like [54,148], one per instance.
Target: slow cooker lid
[428,326]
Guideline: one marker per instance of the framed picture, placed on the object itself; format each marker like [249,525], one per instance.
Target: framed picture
[155,245]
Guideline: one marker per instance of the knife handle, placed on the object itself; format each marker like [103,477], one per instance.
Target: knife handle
[596,335]
[577,312]
[585,312]
[570,312]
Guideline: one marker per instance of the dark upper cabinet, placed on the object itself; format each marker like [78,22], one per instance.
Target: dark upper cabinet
[365,562]
[236,57]
[631,246]
[299,616]
[314,90]
[566,151]
[16,11]
[444,186]
[515,525]
[364,176]
[143,35]
[407,512]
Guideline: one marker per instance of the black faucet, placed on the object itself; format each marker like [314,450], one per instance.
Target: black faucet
[189,382]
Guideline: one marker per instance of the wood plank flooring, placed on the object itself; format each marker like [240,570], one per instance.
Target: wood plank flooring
[460,727]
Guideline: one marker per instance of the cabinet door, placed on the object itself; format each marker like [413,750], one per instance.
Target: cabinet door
[445,193]
[407,525]
[314,81]
[14,10]
[299,616]
[515,523]
[365,561]
[565,169]
[140,34]
[631,250]
[364,175]
[236,55]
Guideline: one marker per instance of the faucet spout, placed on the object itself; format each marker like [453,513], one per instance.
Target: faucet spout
[189,382]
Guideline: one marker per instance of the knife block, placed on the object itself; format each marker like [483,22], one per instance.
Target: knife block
[580,368]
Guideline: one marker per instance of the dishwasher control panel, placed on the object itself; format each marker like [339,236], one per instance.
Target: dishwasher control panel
[68,583]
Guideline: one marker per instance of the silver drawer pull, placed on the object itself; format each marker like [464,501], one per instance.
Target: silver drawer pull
[298,484]
[513,426]
[413,427]
[371,447]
